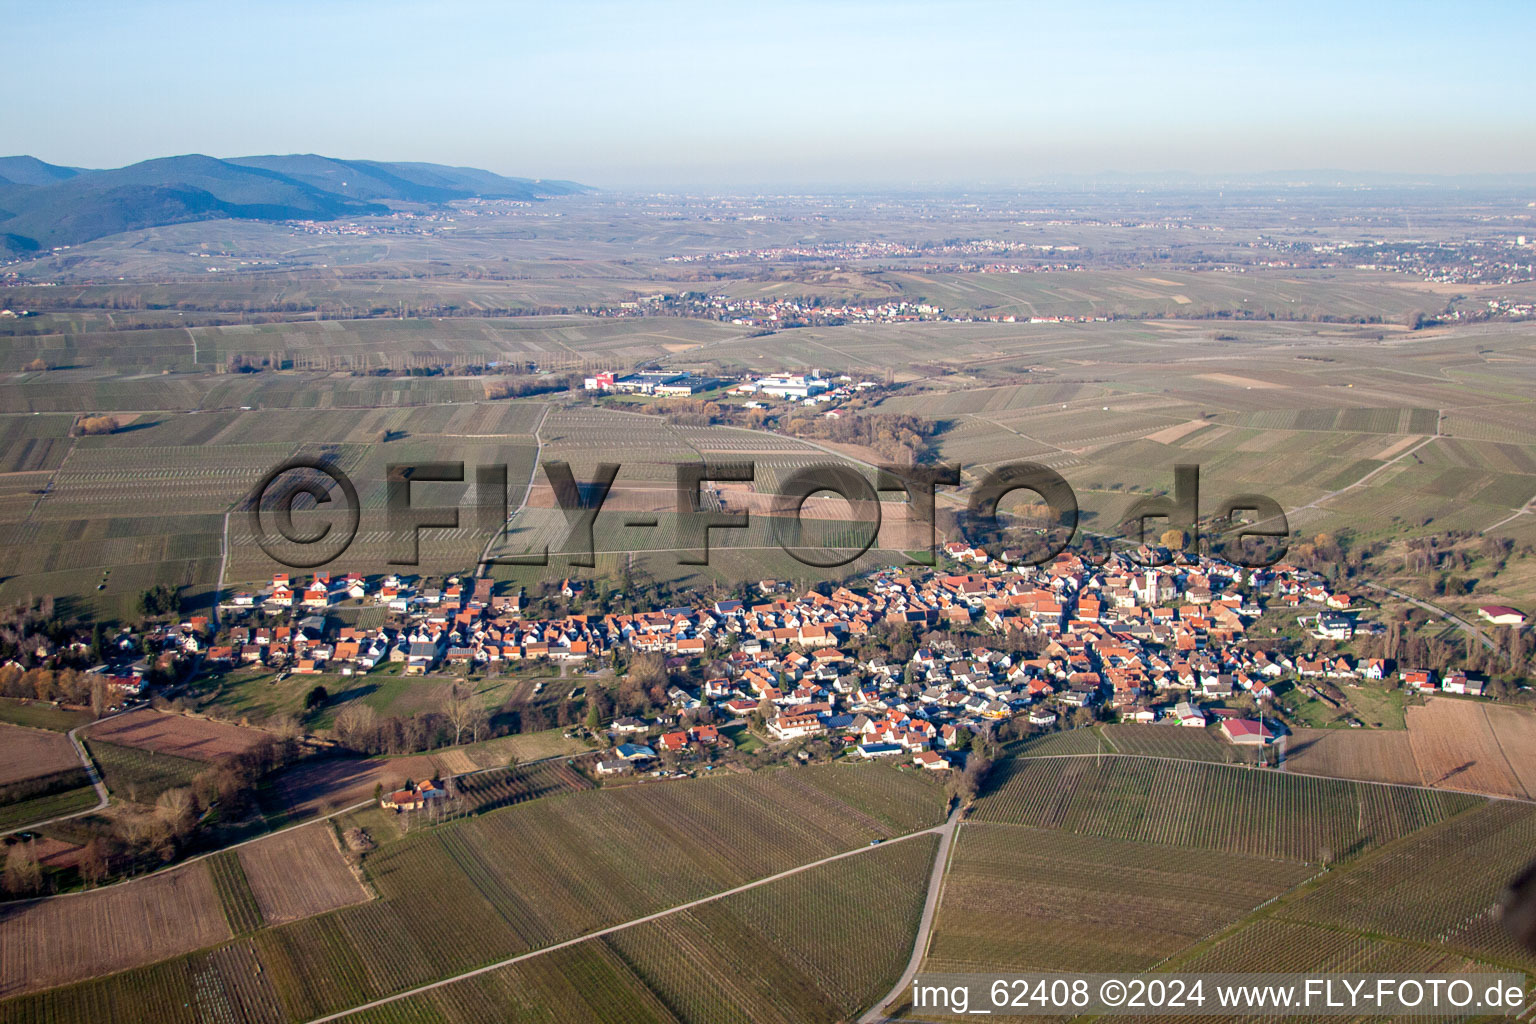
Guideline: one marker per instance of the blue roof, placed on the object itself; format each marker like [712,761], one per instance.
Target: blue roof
[878,748]
[633,750]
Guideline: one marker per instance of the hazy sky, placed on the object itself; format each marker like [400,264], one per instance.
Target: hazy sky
[636,93]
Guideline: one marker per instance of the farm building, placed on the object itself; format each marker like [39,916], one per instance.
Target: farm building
[1246,731]
[412,798]
[1501,615]
[1187,714]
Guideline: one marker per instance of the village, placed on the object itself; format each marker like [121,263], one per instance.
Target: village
[913,664]
[771,314]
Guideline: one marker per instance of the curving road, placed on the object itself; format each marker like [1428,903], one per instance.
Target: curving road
[102,798]
[483,568]
[1451,617]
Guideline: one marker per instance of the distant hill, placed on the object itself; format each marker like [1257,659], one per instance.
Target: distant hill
[44,205]
[422,183]
[29,170]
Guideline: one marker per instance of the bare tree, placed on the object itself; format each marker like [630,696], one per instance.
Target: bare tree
[23,874]
[100,698]
[357,725]
[479,722]
[176,808]
[94,863]
[461,709]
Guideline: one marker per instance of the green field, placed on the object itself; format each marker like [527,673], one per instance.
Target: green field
[42,808]
[1016,895]
[138,775]
[1240,810]
[1078,874]
[240,907]
[1157,740]
[38,715]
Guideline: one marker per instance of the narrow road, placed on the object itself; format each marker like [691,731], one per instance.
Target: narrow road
[218,589]
[1364,479]
[1455,620]
[946,833]
[538,453]
[945,830]
[1523,510]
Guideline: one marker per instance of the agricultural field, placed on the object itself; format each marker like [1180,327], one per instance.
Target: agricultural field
[1282,945]
[1239,810]
[1441,887]
[321,882]
[161,732]
[140,776]
[1066,741]
[39,715]
[329,784]
[345,346]
[527,746]
[1157,740]
[536,873]
[502,787]
[1020,898]
[1325,418]
[1457,745]
[1342,435]
[817,946]
[590,859]
[27,753]
[1371,755]
[51,805]
[64,938]
[241,909]
[1424,900]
